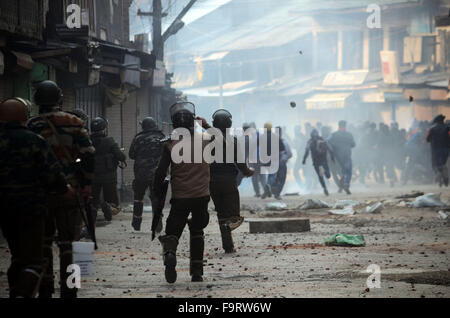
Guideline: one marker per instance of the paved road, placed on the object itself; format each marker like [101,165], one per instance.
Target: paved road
[411,247]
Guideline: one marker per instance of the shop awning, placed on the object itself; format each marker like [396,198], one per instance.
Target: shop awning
[327,101]
[24,60]
[229,89]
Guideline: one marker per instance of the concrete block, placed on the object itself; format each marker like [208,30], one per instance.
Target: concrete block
[279,226]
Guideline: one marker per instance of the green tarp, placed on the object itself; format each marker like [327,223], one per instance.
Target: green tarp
[346,240]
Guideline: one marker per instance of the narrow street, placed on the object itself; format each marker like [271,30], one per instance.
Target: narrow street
[410,245]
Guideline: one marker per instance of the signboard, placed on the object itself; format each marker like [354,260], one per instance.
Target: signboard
[327,101]
[355,77]
[390,67]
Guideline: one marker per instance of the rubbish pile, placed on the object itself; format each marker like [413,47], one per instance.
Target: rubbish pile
[376,208]
[427,200]
[348,210]
[311,204]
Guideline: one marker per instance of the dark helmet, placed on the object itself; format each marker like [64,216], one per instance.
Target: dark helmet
[439,119]
[222,119]
[183,115]
[14,110]
[48,94]
[148,124]
[99,124]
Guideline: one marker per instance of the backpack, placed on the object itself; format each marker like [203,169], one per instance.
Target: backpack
[321,147]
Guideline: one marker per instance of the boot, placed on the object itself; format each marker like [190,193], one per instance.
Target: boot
[170,244]
[267,192]
[197,247]
[227,239]
[236,222]
[138,209]
[115,209]
[107,212]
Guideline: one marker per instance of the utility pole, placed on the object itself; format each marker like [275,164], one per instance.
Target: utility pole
[158,38]
[158,44]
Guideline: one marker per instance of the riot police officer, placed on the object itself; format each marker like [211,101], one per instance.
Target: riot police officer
[145,150]
[190,193]
[223,186]
[29,170]
[70,142]
[107,158]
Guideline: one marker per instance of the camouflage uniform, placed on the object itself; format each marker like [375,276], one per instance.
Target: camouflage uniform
[71,143]
[145,150]
[28,170]
[107,158]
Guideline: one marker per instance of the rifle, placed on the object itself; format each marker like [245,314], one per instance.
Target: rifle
[90,218]
[158,206]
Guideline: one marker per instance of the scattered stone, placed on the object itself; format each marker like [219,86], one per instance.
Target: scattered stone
[442,215]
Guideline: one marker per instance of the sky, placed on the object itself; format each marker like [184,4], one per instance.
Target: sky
[173,8]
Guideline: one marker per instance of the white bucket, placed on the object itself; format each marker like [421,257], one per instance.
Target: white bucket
[83,256]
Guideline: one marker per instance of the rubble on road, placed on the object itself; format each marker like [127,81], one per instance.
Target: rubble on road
[427,200]
[276,206]
[376,208]
[314,204]
[402,204]
[342,204]
[412,195]
[348,210]
[250,208]
[442,215]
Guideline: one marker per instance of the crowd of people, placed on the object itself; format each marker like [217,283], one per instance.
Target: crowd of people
[383,154]
[370,153]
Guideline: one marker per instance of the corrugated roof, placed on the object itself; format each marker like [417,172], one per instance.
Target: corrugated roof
[259,33]
[292,22]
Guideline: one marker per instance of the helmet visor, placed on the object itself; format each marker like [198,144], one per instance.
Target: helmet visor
[182,106]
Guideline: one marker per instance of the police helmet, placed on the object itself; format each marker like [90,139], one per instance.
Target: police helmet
[14,110]
[183,114]
[99,124]
[48,94]
[222,119]
[148,124]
